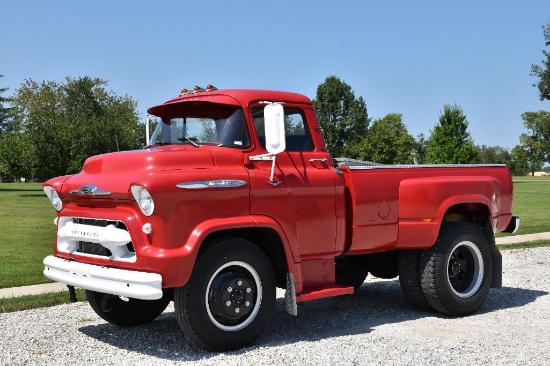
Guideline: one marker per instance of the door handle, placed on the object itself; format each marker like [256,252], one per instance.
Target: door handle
[322,160]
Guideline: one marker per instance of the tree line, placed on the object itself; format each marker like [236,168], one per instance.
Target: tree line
[350,132]
[48,129]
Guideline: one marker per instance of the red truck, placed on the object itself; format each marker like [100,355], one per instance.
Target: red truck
[237,195]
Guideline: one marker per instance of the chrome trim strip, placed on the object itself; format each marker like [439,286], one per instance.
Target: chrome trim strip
[217,183]
[90,190]
[354,164]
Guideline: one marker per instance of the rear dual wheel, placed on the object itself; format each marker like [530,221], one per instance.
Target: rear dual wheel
[454,275]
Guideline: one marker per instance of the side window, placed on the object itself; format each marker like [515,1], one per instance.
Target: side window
[297,134]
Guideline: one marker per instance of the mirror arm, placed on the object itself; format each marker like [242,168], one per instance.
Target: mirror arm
[272,169]
[265,157]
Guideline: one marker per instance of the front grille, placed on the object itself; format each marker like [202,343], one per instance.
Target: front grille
[95,248]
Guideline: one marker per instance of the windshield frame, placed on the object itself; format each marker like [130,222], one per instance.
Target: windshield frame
[222,125]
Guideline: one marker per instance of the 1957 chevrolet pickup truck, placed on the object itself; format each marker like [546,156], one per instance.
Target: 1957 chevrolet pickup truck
[236,195]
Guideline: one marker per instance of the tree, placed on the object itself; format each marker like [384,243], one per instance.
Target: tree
[536,142]
[520,164]
[344,118]
[11,151]
[450,142]
[16,156]
[387,142]
[7,114]
[543,72]
[494,155]
[420,149]
[68,122]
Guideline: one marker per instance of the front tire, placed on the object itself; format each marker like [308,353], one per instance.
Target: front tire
[132,312]
[230,297]
[456,272]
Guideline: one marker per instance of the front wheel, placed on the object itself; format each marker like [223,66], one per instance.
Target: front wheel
[229,298]
[125,312]
[456,272]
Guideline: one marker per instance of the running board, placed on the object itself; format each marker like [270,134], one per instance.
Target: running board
[291,299]
[325,292]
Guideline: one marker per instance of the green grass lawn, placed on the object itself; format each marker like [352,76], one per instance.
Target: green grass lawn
[532,204]
[28,232]
[11,304]
[26,216]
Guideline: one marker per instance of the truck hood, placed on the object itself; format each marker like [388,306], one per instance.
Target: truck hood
[115,171]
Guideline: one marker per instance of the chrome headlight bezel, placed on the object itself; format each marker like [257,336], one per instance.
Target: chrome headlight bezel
[143,199]
[54,197]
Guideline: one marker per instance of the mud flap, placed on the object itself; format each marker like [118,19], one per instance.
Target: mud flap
[290,295]
[497,266]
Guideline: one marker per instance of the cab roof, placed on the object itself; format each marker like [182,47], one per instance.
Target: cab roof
[241,97]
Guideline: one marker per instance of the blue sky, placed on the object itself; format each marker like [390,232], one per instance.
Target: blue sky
[408,57]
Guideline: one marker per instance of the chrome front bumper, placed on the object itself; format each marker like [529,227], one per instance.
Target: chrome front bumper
[120,282]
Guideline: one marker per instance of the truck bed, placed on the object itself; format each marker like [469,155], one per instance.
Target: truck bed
[402,206]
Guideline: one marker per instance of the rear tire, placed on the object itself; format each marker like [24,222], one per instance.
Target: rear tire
[409,279]
[114,310]
[457,271]
[230,297]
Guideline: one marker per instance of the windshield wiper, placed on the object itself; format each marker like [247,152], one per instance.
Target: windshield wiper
[185,138]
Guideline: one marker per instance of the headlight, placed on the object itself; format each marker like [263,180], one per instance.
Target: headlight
[54,197]
[143,199]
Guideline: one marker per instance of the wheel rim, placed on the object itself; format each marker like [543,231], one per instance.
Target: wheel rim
[233,296]
[465,269]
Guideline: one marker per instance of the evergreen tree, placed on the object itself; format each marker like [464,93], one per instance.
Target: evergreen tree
[420,149]
[343,117]
[7,114]
[450,142]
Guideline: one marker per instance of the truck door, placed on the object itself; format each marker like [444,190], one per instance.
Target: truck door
[302,197]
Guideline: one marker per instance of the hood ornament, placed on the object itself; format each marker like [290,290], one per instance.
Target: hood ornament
[90,190]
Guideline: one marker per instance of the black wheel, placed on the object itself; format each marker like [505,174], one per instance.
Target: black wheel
[457,270]
[409,279]
[230,297]
[115,310]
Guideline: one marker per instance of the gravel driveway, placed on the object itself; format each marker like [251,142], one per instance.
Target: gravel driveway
[373,326]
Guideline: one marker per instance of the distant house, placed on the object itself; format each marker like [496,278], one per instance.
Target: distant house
[539,174]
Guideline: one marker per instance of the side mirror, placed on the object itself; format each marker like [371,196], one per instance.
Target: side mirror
[274,124]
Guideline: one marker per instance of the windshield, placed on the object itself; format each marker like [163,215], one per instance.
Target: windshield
[199,123]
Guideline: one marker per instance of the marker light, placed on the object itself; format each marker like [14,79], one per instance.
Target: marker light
[197,89]
[143,199]
[54,197]
[184,91]
[210,87]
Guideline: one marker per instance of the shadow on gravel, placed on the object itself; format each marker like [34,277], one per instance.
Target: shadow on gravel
[374,304]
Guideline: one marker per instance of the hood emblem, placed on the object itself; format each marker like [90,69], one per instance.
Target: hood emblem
[90,190]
